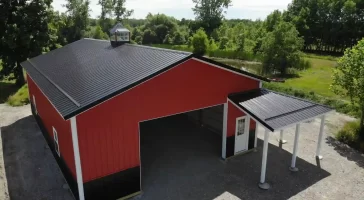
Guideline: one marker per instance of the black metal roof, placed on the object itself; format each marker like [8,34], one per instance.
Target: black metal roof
[87,72]
[275,110]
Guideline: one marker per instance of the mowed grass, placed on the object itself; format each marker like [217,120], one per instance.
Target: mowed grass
[317,79]
[12,94]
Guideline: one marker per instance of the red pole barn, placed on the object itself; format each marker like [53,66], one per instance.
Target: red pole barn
[89,98]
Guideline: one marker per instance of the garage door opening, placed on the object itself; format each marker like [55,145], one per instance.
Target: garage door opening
[178,149]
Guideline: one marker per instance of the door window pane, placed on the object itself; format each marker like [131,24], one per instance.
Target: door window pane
[241,126]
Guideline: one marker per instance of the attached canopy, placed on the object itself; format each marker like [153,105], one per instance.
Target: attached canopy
[275,110]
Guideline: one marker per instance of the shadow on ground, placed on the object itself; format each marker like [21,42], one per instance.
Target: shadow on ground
[7,89]
[181,160]
[31,170]
[346,151]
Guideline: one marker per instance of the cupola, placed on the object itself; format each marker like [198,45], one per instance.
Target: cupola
[119,35]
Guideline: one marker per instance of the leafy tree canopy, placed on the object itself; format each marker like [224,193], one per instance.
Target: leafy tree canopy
[348,78]
[210,13]
[281,48]
[25,33]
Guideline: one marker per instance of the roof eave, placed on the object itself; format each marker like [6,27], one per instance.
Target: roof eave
[261,78]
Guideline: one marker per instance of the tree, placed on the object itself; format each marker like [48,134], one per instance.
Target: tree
[281,48]
[149,37]
[210,13]
[77,19]
[240,42]
[24,33]
[200,42]
[99,34]
[120,11]
[179,38]
[272,20]
[106,8]
[348,78]
[224,42]
[327,25]
[161,25]
[106,13]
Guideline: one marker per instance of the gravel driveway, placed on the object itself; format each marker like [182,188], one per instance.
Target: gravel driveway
[32,173]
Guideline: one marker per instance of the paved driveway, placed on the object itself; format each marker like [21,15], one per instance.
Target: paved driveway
[173,171]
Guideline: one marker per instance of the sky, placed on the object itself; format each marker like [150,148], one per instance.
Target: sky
[243,9]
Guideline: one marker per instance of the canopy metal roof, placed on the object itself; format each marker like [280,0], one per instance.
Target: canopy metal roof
[275,110]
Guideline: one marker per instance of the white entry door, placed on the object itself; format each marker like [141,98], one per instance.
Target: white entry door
[241,134]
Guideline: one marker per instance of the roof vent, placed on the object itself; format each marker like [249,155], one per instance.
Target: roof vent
[119,35]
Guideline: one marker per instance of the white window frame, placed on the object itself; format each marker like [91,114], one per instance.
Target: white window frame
[56,143]
[35,105]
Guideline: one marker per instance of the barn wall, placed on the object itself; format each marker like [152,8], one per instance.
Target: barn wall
[233,113]
[211,118]
[47,118]
[109,132]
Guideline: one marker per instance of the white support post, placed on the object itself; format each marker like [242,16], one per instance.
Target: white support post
[76,152]
[256,137]
[281,138]
[295,148]
[263,184]
[224,131]
[319,142]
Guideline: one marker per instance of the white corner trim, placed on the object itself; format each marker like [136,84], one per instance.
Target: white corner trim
[224,131]
[223,68]
[260,84]
[76,152]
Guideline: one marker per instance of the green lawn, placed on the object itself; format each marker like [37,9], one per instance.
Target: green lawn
[11,94]
[317,79]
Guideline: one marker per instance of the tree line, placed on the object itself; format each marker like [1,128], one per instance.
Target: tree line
[29,28]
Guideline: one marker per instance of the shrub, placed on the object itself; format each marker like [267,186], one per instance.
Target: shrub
[21,97]
[350,134]
[200,42]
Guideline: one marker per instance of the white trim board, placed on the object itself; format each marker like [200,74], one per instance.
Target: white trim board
[224,130]
[181,112]
[77,157]
[223,68]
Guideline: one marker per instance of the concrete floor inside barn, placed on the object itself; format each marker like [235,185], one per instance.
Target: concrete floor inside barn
[181,160]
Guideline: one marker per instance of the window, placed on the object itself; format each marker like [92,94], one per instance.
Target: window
[56,144]
[241,126]
[35,105]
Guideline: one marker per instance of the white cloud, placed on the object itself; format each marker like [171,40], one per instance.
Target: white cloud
[251,9]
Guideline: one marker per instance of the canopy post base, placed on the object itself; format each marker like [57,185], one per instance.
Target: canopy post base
[319,157]
[283,141]
[264,186]
[293,169]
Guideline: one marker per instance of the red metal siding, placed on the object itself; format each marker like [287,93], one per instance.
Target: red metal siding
[51,118]
[233,113]
[109,132]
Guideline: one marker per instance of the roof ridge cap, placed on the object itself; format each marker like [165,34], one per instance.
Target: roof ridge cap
[93,39]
